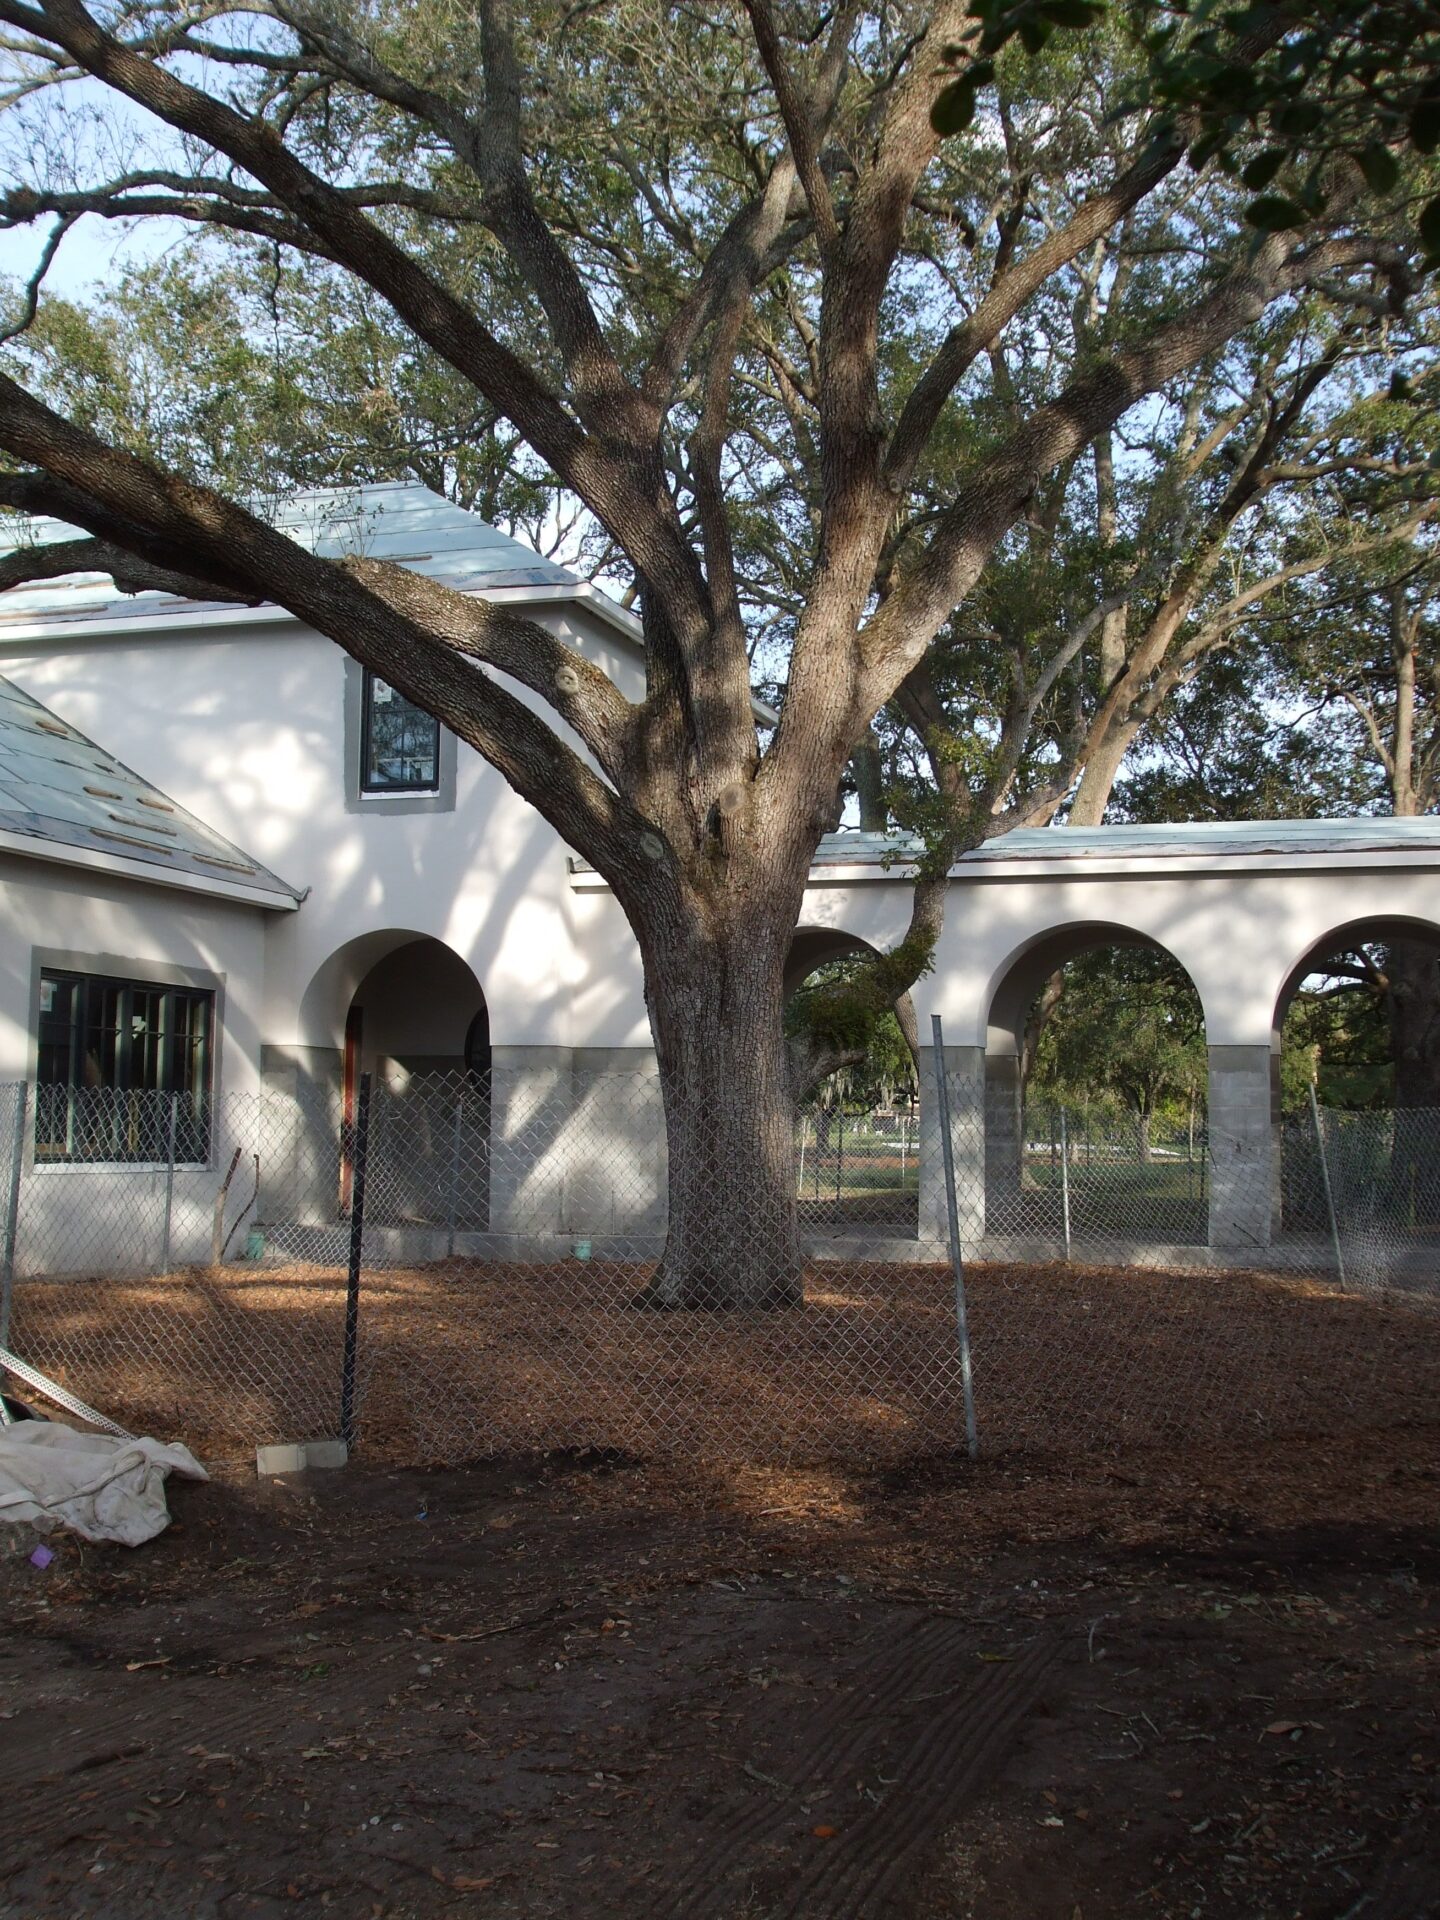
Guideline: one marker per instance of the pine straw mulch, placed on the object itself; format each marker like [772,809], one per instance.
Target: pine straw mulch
[461,1361]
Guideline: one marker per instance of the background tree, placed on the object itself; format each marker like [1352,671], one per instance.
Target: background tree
[1129,1027]
[815,1017]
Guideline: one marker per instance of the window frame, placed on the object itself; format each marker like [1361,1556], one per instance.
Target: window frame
[194,1078]
[369,789]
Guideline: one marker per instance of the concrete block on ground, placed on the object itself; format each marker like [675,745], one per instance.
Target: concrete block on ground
[300,1456]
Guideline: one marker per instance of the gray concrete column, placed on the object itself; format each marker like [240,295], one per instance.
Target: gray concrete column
[965,1083]
[577,1146]
[1242,1148]
[295,1129]
[617,1166]
[1004,1142]
[531,1112]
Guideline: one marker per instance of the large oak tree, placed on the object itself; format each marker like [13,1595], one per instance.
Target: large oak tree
[620,226]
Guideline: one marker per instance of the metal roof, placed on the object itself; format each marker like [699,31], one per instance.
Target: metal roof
[1186,839]
[399,521]
[64,798]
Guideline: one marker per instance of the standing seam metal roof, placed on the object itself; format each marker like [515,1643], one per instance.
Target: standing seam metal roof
[1177,840]
[61,791]
[400,521]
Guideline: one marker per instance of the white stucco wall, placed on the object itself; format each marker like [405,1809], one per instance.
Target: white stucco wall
[99,923]
[242,717]
[82,1218]
[1239,924]
[244,721]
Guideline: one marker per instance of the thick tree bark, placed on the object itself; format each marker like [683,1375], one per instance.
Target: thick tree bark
[1413,973]
[715,1010]
[870,784]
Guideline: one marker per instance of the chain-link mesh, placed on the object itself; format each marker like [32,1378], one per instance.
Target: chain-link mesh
[1124,1285]
[201,1292]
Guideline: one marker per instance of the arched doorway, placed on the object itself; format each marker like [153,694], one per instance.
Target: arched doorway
[857,1129]
[409,1012]
[1096,1081]
[1356,1098]
[1359,1017]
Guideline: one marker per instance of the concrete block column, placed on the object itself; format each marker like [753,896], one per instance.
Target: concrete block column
[532,1106]
[964,1069]
[577,1143]
[616,1167]
[1004,1141]
[295,1128]
[1242,1148]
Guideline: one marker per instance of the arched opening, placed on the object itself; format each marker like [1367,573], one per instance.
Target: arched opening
[857,1130]
[1356,1093]
[407,1010]
[1096,1088]
[1359,1019]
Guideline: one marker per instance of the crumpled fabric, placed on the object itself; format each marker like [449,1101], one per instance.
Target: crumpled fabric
[101,1487]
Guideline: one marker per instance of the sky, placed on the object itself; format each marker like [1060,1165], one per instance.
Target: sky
[93,253]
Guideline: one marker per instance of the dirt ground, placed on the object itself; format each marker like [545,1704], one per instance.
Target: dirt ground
[1193,1683]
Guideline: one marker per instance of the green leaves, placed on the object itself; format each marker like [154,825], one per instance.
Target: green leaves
[1425,124]
[954,108]
[1380,168]
[1031,22]
[1076,14]
[1273,213]
[1263,170]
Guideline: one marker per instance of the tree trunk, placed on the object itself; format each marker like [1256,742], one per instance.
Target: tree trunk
[1413,971]
[869,772]
[715,1010]
[1142,1137]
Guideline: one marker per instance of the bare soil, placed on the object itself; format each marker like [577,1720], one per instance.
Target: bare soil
[1194,1682]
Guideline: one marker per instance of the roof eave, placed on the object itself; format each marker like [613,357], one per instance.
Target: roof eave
[63,853]
[226,614]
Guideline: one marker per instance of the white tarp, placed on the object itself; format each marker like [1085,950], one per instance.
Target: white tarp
[103,1487]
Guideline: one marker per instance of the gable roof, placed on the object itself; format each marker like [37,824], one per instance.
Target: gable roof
[400,521]
[64,798]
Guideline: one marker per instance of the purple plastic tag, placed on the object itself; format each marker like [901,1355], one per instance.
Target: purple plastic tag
[41,1557]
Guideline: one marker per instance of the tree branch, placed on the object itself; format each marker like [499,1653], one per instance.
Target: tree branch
[338,600]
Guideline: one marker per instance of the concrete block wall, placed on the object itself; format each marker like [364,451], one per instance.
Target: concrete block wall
[577,1143]
[964,1069]
[1244,1169]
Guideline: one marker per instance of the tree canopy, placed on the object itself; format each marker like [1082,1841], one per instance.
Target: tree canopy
[815,355]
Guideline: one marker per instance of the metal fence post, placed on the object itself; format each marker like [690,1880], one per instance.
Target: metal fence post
[169,1184]
[12,1212]
[1065,1182]
[359,1152]
[952,1208]
[1325,1182]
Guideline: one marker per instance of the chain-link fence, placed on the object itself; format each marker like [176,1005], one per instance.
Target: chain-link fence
[500,1242]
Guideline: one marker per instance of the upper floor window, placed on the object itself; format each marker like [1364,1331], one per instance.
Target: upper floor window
[112,1056]
[400,743]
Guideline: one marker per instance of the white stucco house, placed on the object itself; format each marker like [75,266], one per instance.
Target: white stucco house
[231,858]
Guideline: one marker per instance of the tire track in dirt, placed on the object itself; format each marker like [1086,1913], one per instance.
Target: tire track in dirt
[870,1720]
[130,1754]
[837,1740]
[878,1854]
